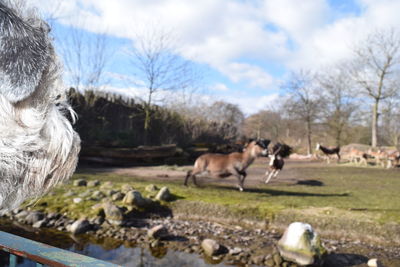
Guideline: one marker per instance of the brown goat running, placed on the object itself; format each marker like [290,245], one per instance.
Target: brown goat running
[236,163]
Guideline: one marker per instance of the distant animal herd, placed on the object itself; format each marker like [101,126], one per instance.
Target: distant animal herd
[236,163]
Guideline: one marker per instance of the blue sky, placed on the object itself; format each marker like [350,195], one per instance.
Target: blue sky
[245,48]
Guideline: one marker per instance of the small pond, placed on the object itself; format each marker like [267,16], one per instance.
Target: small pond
[106,249]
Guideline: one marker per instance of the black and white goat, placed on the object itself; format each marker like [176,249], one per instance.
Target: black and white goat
[328,152]
[276,163]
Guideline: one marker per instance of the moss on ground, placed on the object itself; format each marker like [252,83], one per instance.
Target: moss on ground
[330,193]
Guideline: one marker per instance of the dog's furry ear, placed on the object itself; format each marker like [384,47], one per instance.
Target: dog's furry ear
[23,57]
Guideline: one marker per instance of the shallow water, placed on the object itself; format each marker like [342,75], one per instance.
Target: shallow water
[107,249]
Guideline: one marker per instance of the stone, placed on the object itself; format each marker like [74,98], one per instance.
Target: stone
[163,194]
[86,193]
[277,259]
[22,215]
[258,260]
[93,183]
[374,263]
[69,193]
[53,215]
[151,188]
[79,227]
[113,214]
[106,185]
[235,251]
[39,224]
[110,192]
[300,244]
[135,198]
[79,182]
[126,188]
[117,196]
[97,195]
[77,200]
[34,217]
[210,247]
[157,232]
[98,220]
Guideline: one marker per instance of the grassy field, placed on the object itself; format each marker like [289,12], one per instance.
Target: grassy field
[335,198]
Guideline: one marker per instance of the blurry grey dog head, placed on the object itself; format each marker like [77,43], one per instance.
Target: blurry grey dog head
[38,147]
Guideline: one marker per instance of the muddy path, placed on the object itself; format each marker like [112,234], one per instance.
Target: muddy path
[255,173]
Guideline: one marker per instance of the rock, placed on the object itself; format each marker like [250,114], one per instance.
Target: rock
[77,200]
[34,217]
[151,188]
[106,185]
[235,251]
[93,183]
[117,196]
[210,247]
[86,193]
[134,198]
[98,220]
[258,260]
[99,209]
[374,263]
[39,224]
[157,232]
[97,195]
[79,227]
[126,188]
[22,215]
[277,259]
[113,214]
[110,192]
[79,182]
[53,215]
[300,244]
[163,194]
[69,193]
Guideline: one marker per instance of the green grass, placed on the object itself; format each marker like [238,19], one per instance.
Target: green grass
[345,193]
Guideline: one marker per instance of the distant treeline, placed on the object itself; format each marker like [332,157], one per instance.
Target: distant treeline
[111,120]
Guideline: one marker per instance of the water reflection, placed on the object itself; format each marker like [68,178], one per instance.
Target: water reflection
[108,249]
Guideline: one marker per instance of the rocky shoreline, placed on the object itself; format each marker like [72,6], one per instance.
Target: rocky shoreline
[158,230]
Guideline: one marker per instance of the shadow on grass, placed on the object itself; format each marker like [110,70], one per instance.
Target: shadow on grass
[310,182]
[274,192]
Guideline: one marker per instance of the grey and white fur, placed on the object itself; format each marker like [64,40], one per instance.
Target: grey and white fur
[38,146]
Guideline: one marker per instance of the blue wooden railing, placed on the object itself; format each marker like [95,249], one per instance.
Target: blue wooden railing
[44,255]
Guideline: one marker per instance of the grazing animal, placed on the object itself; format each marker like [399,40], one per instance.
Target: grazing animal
[329,151]
[358,157]
[393,158]
[38,147]
[276,163]
[236,163]
[380,156]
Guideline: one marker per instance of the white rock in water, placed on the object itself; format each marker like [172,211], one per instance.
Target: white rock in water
[210,247]
[374,263]
[301,244]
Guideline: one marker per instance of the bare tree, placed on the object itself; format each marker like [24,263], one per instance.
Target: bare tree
[303,101]
[339,99]
[158,69]
[376,70]
[85,57]
[391,122]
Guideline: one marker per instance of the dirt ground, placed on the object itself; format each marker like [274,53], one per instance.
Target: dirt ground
[255,173]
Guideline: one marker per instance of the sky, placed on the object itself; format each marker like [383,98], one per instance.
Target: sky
[245,48]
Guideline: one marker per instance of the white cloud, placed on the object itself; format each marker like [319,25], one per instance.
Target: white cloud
[251,104]
[219,87]
[239,38]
